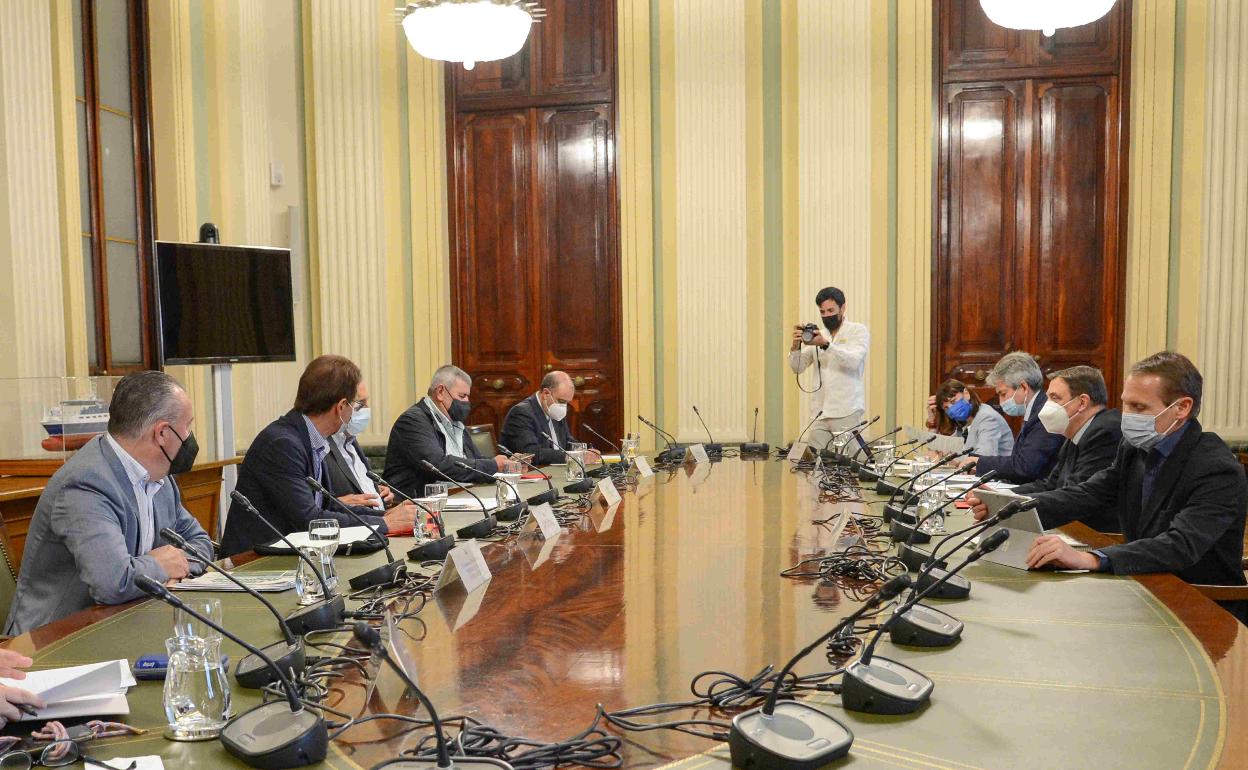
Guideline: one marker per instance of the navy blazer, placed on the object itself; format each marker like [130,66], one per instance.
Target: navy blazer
[415,438]
[523,429]
[272,476]
[1192,524]
[1076,463]
[1035,451]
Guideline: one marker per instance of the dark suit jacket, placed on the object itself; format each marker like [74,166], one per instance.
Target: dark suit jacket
[341,481]
[1076,463]
[414,438]
[1192,524]
[1035,451]
[523,428]
[272,477]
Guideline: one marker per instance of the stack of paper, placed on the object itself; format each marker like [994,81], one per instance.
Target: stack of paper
[96,689]
[469,503]
[263,581]
[345,535]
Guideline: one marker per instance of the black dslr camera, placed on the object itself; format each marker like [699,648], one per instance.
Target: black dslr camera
[809,332]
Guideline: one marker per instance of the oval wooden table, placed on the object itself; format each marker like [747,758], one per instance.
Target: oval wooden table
[624,608]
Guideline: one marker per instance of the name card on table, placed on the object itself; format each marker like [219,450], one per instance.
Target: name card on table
[698,453]
[542,517]
[797,451]
[643,467]
[610,495]
[608,518]
[465,563]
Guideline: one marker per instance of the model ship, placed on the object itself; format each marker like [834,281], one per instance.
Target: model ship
[74,418]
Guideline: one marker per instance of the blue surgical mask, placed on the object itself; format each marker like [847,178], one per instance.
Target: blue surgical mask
[1140,430]
[1012,407]
[359,421]
[959,410]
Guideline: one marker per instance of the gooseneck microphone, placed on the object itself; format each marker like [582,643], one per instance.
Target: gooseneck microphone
[813,420]
[479,528]
[711,447]
[371,638]
[912,496]
[915,559]
[884,473]
[318,616]
[586,483]
[252,671]
[511,512]
[550,495]
[273,735]
[603,438]
[827,451]
[433,550]
[674,450]
[753,446]
[884,686]
[387,574]
[865,445]
[793,735]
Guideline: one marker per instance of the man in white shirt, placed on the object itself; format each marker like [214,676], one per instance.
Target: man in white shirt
[839,351]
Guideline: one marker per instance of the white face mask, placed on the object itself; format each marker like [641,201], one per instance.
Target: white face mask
[557,411]
[1140,430]
[1054,418]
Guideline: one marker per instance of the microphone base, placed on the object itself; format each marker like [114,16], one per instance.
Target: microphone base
[434,550]
[895,512]
[511,512]
[883,487]
[674,453]
[272,737]
[923,626]
[796,737]
[317,617]
[755,448]
[579,487]
[866,474]
[481,528]
[901,532]
[916,560]
[956,587]
[379,576]
[549,496]
[884,686]
[253,673]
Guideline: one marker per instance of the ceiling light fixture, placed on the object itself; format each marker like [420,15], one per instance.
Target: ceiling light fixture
[468,31]
[1045,15]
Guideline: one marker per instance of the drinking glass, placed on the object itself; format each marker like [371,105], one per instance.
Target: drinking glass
[325,535]
[440,490]
[931,499]
[509,473]
[434,504]
[307,585]
[628,448]
[186,627]
[575,469]
[883,455]
[197,691]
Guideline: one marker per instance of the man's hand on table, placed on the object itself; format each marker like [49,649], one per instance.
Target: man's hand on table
[1053,551]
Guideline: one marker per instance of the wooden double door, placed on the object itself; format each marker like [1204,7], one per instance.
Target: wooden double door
[535,243]
[1030,195]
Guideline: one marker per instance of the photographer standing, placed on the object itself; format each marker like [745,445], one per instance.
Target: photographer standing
[840,350]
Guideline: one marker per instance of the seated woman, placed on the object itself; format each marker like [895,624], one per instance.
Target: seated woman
[984,430]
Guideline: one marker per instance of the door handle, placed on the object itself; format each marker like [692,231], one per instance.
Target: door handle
[548,368]
[497,384]
[980,374]
[578,380]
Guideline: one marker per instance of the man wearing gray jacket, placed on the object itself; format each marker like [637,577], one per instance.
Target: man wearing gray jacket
[97,525]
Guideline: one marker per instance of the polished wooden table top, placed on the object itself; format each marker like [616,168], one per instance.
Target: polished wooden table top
[626,607]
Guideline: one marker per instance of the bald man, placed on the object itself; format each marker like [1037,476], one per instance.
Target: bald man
[538,425]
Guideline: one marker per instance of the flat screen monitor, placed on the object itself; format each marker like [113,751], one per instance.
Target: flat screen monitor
[224,304]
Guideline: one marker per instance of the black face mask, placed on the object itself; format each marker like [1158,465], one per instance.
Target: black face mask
[185,457]
[459,410]
[832,322]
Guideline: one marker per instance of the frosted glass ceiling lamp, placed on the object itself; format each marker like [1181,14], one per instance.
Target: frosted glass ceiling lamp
[468,31]
[1045,15]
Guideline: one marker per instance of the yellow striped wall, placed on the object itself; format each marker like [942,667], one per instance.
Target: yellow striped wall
[1148,218]
[1223,347]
